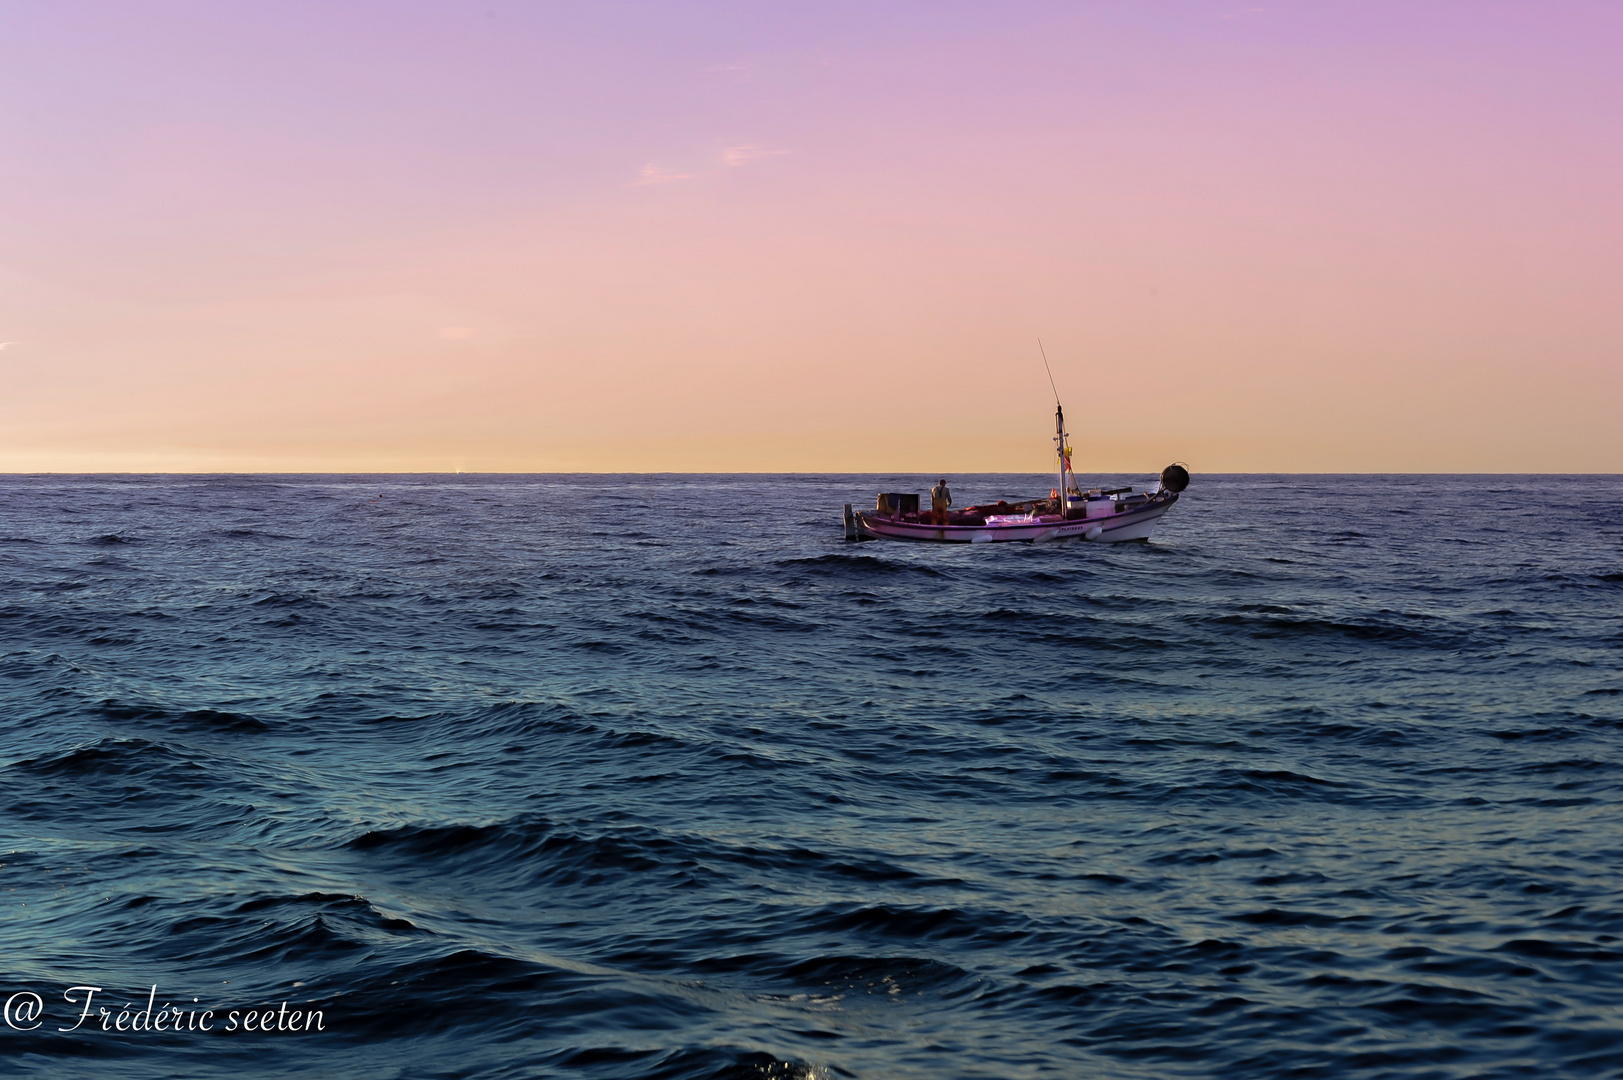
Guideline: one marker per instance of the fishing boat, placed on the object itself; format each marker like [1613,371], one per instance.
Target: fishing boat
[1101,516]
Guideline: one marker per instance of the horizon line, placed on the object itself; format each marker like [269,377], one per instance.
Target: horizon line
[783,472]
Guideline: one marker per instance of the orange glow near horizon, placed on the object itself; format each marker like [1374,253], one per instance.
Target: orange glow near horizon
[667,238]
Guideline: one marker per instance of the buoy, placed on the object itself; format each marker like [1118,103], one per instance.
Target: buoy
[1093,533]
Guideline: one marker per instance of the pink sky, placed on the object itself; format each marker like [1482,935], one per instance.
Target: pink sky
[1254,236]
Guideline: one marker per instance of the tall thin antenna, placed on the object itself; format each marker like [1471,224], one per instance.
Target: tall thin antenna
[1050,371]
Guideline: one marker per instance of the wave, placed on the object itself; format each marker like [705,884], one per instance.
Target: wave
[884,974]
[858,568]
[895,921]
[1384,631]
[687,1063]
[114,757]
[289,600]
[212,720]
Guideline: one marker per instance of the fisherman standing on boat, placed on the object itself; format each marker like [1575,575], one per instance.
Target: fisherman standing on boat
[940,499]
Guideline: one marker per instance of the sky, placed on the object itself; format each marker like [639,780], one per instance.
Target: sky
[1258,236]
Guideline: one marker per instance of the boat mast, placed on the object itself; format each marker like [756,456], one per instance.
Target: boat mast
[1062,441]
[1062,444]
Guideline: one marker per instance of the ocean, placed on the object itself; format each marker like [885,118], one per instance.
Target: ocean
[643,777]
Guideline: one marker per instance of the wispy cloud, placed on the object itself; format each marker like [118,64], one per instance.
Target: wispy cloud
[748,152]
[455,333]
[654,174]
[7,344]
[731,156]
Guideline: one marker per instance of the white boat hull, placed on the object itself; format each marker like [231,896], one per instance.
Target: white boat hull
[1133,523]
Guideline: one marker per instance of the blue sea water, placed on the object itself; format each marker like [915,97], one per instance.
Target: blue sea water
[659,777]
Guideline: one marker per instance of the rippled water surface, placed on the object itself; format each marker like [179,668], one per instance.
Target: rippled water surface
[637,777]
